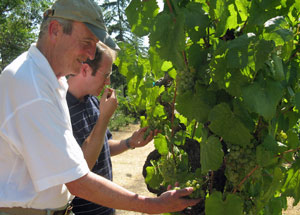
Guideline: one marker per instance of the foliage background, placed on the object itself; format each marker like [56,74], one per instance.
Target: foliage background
[19,20]
[223,75]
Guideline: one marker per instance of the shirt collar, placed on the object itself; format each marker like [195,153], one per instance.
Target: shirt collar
[73,100]
[41,61]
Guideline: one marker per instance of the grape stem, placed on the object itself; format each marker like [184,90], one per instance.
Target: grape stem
[291,150]
[288,151]
[170,6]
[244,179]
[254,169]
[211,181]
[173,111]
[194,130]
[259,127]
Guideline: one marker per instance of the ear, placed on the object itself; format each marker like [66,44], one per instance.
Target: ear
[54,30]
[85,69]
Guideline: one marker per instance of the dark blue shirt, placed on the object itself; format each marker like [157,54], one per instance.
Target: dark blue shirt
[84,116]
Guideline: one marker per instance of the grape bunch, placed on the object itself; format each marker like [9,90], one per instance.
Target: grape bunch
[152,125]
[197,188]
[167,168]
[185,80]
[239,162]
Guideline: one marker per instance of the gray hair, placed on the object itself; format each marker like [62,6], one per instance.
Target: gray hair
[65,23]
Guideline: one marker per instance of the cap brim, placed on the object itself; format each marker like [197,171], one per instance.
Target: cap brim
[103,36]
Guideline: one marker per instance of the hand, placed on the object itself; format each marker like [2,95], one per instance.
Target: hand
[137,138]
[173,201]
[108,103]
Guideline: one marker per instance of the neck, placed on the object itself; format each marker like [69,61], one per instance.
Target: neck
[45,50]
[75,89]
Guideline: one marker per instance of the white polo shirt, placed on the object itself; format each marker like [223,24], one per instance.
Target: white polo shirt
[38,153]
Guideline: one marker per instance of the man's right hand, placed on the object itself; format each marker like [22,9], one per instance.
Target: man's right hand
[108,102]
[173,201]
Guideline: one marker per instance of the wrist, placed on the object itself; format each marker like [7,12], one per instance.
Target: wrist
[127,143]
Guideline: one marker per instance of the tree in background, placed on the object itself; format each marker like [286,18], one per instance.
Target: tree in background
[19,20]
[118,26]
[134,48]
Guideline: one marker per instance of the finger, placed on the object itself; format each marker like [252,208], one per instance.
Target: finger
[144,129]
[149,137]
[156,131]
[169,187]
[184,192]
[104,96]
[112,93]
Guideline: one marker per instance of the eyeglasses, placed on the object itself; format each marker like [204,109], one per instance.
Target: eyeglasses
[107,75]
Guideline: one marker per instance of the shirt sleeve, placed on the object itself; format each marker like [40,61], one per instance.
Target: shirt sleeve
[108,134]
[44,139]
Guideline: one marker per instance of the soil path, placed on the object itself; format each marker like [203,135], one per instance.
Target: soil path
[128,167]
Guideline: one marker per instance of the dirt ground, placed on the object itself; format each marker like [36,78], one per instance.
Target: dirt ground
[128,166]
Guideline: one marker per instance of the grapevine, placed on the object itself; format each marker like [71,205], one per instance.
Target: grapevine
[221,83]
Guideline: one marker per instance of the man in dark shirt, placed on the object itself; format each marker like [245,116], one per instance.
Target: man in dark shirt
[84,111]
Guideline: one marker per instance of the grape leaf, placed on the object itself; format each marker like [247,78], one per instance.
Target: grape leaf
[270,189]
[225,124]
[211,154]
[161,144]
[153,178]
[293,139]
[140,16]
[297,100]
[156,63]
[214,204]
[262,97]
[277,30]
[291,185]
[261,53]
[169,28]
[196,105]
[195,16]
[225,15]
[237,55]
[265,157]
[197,56]
[258,14]
[242,8]
[297,4]
[275,205]
[273,146]
[241,112]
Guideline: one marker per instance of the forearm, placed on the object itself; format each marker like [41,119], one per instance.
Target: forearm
[101,191]
[117,147]
[93,144]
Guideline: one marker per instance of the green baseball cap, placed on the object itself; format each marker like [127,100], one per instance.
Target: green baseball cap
[87,12]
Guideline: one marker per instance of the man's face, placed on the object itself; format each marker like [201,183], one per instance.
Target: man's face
[72,50]
[102,76]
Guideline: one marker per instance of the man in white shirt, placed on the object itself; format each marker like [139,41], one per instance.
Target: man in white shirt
[41,164]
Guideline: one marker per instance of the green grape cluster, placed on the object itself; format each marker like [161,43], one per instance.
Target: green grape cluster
[167,168]
[152,125]
[239,162]
[185,81]
[196,184]
[197,187]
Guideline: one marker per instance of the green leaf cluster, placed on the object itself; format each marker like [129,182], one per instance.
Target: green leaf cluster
[243,57]
[19,20]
